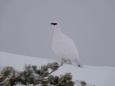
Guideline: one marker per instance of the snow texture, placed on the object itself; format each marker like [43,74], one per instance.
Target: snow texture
[94,75]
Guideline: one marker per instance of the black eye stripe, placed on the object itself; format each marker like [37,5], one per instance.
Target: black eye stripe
[53,23]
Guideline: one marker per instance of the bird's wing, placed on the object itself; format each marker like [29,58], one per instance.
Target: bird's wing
[70,48]
[64,46]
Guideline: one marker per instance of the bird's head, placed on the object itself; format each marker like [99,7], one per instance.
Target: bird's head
[55,25]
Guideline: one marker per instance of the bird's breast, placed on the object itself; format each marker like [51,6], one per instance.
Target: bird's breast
[58,49]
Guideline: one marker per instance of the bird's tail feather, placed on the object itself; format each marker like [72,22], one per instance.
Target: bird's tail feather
[78,63]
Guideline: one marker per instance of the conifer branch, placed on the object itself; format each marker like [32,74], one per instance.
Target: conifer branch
[36,76]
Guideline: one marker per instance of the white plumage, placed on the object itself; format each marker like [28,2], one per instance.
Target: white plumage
[64,47]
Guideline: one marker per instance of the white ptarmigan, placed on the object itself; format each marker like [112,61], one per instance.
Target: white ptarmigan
[64,47]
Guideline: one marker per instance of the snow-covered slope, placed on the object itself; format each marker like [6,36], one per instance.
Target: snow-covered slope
[99,76]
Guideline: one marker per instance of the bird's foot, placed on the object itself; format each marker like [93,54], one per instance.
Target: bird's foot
[67,61]
[63,61]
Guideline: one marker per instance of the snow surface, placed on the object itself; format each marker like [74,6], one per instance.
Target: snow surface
[98,76]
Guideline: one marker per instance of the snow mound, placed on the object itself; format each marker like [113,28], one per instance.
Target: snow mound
[95,75]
